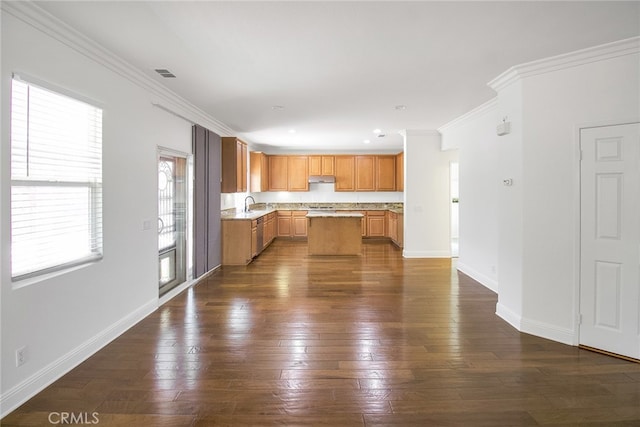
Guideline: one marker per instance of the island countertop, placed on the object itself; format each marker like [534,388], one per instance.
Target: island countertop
[333,214]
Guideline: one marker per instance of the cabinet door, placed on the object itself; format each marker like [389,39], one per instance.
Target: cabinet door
[393,226]
[365,173]
[400,172]
[254,238]
[234,165]
[386,173]
[299,219]
[327,167]
[284,223]
[298,173]
[315,165]
[277,173]
[376,223]
[258,172]
[345,173]
[241,167]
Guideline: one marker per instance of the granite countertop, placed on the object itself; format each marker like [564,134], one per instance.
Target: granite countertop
[261,209]
[333,214]
[252,214]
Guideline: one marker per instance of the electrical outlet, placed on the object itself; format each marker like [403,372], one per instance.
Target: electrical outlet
[21,356]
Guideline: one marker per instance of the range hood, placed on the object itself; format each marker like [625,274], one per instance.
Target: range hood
[321,178]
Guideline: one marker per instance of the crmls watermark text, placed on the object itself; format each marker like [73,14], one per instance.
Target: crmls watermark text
[67,418]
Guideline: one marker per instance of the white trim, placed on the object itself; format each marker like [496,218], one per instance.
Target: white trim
[483,279]
[509,316]
[462,120]
[43,21]
[35,383]
[426,254]
[178,289]
[547,331]
[589,55]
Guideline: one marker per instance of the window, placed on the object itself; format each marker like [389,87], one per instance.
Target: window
[56,181]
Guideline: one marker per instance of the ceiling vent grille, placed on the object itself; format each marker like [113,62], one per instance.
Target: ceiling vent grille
[165,73]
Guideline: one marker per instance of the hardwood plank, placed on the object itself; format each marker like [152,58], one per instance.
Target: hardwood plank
[294,339]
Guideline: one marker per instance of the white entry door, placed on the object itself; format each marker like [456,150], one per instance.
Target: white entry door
[610,239]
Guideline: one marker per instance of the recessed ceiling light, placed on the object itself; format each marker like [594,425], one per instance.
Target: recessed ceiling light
[292,131]
[277,107]
[400,107]
[376,131]
[366,141]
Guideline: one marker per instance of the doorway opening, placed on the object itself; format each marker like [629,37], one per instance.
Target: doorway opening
[173,220]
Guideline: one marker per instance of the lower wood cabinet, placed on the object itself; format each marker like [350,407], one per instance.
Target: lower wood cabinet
[292,224]
[240,239]
[376,224]
[395,226]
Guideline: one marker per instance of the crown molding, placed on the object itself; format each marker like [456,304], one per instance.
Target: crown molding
[462,120]
[418,132]
[589,55]
[31,14]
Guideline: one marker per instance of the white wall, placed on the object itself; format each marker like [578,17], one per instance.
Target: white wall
[427,202]
[555,105]
[479,183]
[64,319]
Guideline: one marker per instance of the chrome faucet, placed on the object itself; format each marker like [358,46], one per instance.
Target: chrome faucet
[246,207]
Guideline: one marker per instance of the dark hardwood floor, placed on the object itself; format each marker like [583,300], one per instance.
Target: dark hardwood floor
[370,340]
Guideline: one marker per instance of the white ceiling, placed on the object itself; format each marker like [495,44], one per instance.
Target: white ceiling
[340,68]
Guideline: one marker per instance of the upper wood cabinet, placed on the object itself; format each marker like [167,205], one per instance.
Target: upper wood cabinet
[278,173]
[288,173]
[386,173]
[345,169]
[322,165]
[365,173]
[400,172]
[298,173]
[234,165]
[258,172]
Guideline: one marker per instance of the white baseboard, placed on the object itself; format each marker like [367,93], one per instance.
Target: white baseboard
[511,317]
[550,332]
[534,327]
[426,254]
[28,388]
[481,278]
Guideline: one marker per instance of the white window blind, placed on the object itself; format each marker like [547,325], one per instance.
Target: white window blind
[56,181]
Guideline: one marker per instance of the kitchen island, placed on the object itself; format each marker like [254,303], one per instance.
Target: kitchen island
[334,233]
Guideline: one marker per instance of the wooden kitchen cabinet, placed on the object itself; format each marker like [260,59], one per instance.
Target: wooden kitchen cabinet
[278,173]
[299,222]
[345,173]
[238,242]
[298,173]
[400,172]
[254,238]
[376,226]
[385,173]
[234,165]
[288,173]
[284,223]
[258,172]
[392,226]
[365,173]
[270,228]
[321,165]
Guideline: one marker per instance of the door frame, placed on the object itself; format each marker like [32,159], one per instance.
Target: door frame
[164,151]
[577,171]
